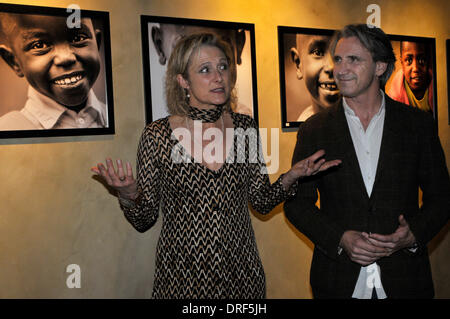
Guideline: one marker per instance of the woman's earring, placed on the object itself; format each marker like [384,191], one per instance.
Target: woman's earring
[187,93]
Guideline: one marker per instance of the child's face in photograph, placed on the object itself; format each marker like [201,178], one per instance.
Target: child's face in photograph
[168,36]
[58,62]
[415,65]
[316,67]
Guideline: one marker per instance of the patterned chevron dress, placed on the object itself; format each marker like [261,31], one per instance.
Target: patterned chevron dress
[207,246]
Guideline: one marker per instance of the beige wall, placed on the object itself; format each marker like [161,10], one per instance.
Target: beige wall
[53,213]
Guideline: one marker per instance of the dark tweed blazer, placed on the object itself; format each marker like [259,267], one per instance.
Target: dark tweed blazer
[411,156]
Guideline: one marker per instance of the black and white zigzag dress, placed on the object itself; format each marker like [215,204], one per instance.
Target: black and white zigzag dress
[207,246]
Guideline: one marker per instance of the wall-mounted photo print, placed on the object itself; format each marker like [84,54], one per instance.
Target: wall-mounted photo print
[413,81]
[55,72]
[306,73]
[159,37]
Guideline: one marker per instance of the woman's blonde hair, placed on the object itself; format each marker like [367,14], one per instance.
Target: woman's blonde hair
[177,102]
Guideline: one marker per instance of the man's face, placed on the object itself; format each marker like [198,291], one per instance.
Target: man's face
[316,67]
[354,69]
[415,65]
[58,62]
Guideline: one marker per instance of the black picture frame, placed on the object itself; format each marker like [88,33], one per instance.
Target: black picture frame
[430,44]
[447,45]
[155,60]
[295,96]
[98,89]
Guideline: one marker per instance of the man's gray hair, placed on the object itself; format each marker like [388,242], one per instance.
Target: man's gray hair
[374,40]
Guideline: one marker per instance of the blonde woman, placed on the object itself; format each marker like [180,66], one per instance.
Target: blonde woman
[207,247]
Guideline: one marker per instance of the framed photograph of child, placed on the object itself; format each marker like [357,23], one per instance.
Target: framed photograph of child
[159,36]
[55,72]
[306,73]
[413,81]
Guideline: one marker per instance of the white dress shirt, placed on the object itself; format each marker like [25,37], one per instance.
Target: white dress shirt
[42,112]
[308,112]
[367,147]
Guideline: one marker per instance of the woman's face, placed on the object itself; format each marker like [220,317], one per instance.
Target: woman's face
[208,78]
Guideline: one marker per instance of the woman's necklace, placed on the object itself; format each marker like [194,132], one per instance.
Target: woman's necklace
[205,115]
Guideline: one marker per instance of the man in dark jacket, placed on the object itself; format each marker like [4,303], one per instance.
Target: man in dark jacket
[370,234]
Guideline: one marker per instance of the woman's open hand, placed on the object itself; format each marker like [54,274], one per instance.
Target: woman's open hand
[121,180]
[311,165]
[307,167]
